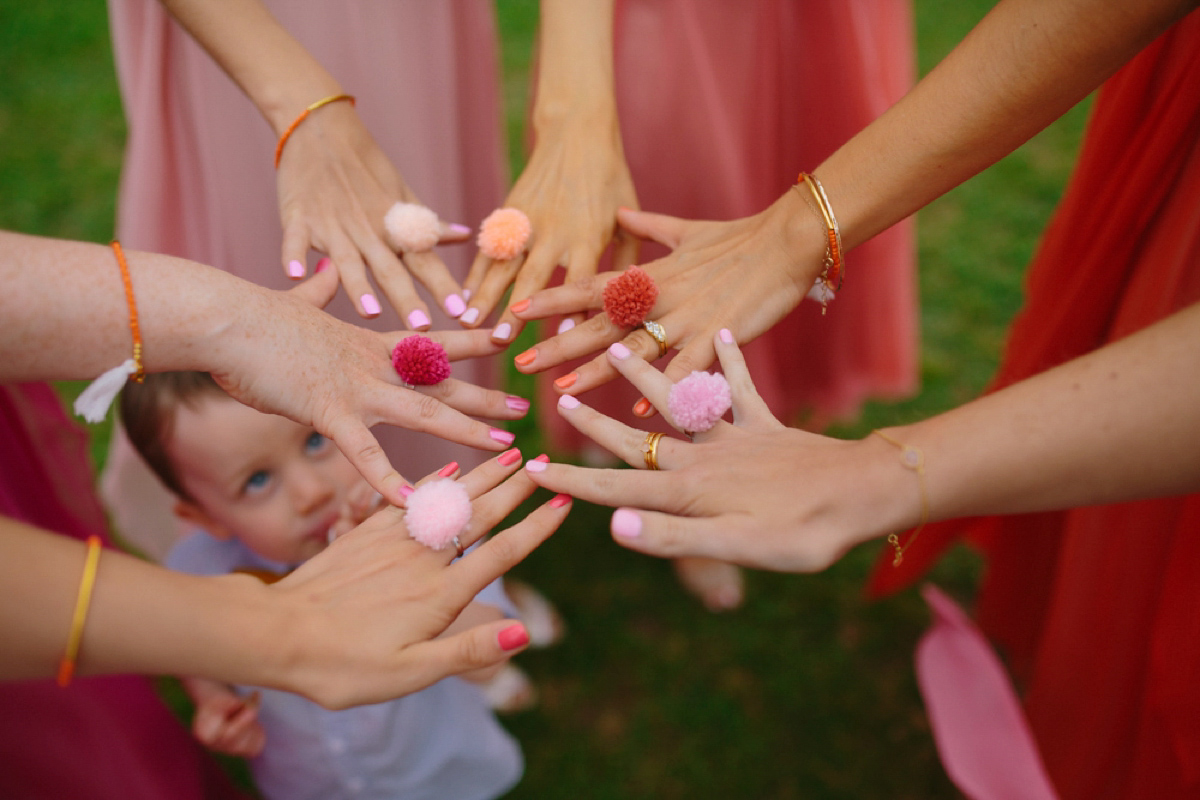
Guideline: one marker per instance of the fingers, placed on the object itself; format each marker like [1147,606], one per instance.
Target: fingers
[423,412]
[430,270]
[295,249]
[495,282]
[398,287]
[488,475]
[453,232]
[572,297]
[363,451]
[319,289]
[424,664]
[475,400]
[353,273]
[621,440]
[724,538]
[625,250]
[490,508]
[533,277]
[657,227]
[748,406]
[588,337]
[613,487]
[460,345]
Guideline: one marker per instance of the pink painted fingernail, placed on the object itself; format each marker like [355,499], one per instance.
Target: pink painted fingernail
[406,490]
[535,465]
[502,332]
[459,230]
[370,304]
[618,351]
[295,269]
[726,336]
[503,437]
[418,319]
[448,470]
[323,264]
[545,459]
[470,316]
[509,457]
[566,325]
[512,637]
[517,308]
[515,403]
[467,295]
[560,500]
[455,306]
[626,523]
[568,402]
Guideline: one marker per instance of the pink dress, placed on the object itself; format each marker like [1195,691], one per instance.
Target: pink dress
[722,105]
[198,179]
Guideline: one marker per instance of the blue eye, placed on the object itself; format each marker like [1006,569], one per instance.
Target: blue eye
[315,443]
[257,482]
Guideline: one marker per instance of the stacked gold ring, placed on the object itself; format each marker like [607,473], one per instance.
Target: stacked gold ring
[650,450]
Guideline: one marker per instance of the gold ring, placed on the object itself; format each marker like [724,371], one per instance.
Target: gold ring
[659,333]
[457,546]
[650,450]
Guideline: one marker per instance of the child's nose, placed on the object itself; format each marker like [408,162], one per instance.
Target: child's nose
[313,489]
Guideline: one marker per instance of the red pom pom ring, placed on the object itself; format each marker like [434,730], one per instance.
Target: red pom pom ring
[420,361]
[629,297]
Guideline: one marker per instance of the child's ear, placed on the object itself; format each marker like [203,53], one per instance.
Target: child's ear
[192,514]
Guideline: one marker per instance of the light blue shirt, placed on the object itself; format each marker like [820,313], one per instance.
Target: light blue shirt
[441,743]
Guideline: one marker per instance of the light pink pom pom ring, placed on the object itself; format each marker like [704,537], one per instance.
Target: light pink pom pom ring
[412,228]
[437,513]
[504,234]
[698,401]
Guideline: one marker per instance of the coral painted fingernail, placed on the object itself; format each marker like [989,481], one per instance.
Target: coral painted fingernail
[618,351]
[502,332]
[567,381]
[503,437]
[560,500]
[509,457]
[536,465]
[369,304]
[626,524]
[512,637]
[448,470]
[526,358]
[470,316]
[515,403]
[517,308]
[455,306]
[418,319]
[323,264]
[726,336]
[405,491]
[568,402]
[641,407]
[295,269]
[459,230]
[566,325]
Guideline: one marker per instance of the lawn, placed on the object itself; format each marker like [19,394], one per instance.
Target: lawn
[808,691]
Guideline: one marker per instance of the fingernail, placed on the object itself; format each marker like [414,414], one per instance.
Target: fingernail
[455,306]
[641,407]
[458,229]
[509,457]
[726,336]
[566,325]
[517,308]
[470,315]
[618,351]
[626,523]
[502,332]
[515,403]
[568,402]
[535,465]
[448,470]
[418,319]
[545,459]
[567,381]
[295,269]
[560,500]
[503,437]
[370,304]
[526,358]
[405,491]
[467,295]
[323,264]
[512,637]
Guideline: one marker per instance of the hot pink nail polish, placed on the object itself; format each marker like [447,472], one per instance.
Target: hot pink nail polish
[543,458]
[406,490]
[503,437]
[568,402]
[626,523]
[295,269]
[516,403]
[509,457]
[323,264]
[512,637]
[418,319]
[370,304]
[560,500]
[448,470]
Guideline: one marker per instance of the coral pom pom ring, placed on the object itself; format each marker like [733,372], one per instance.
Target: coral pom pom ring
[629,298]
[504,234]
[420,361]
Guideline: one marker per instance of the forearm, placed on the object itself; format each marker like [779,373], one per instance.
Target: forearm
[575,65]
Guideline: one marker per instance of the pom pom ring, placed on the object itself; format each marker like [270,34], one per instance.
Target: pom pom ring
[412,228]
[699,400]
[420,361]
[504,234]
[629,297]
[437,513]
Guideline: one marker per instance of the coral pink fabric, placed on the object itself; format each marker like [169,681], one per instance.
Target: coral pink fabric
[103,738]
[722,105]
[982,735]
[1099,608]
[198,179]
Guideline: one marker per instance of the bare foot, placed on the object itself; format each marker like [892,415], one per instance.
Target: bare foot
[718,584]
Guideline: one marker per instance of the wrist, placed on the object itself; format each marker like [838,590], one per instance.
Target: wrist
[802,236]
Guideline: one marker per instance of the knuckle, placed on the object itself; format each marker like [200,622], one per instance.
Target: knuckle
[428,407]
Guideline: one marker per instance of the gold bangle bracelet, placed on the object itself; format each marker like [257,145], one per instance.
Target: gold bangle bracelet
[66,667]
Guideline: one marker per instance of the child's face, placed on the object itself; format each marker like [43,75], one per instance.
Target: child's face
[274,485]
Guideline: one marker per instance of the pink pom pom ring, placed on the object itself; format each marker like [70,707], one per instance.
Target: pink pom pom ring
[699,400]
[420,361]
[629,297]
[412,228]
[437,512]
[504,234]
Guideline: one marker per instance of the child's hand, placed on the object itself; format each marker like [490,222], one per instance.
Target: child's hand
[229,724]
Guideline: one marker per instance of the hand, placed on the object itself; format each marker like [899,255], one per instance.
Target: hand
[575,181]
[335,186]
[753,492]
[363,614]
[225,722]
[282,355]
[743,276]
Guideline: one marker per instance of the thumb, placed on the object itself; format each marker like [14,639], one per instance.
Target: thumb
[482,646]
[657,227]
[319,289]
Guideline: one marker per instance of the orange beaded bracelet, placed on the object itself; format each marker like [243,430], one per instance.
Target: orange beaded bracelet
[333,98]
[834,271]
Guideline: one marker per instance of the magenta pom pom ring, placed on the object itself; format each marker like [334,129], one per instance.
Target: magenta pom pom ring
[659,333]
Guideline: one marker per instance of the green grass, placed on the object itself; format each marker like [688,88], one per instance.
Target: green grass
[806,692]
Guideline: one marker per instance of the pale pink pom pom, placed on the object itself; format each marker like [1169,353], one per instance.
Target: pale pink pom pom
[504,234]
[437,512]
[412,228]
[699,400]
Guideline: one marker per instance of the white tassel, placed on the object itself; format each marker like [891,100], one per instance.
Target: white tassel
[93,404]
[820,292]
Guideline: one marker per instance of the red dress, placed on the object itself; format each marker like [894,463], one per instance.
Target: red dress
[1099,608]
[101,737]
